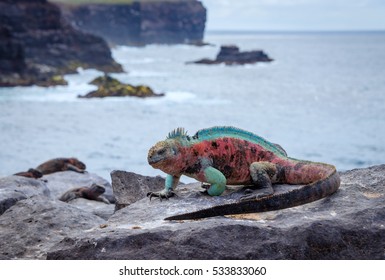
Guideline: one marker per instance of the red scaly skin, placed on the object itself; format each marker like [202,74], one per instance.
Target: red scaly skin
[233,158]
[224,156]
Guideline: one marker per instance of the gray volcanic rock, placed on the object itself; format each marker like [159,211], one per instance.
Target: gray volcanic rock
[32,226]
[231,55]
[52,186]
[61,182]
[15,188]
[129,187]
[350,224]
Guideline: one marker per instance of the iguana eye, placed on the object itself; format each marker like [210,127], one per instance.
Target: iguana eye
[161,152]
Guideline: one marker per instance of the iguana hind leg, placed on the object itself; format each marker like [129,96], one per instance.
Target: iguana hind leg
[216,179]
[262,174]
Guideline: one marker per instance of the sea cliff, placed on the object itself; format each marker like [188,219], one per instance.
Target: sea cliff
[37,46]
[140,22]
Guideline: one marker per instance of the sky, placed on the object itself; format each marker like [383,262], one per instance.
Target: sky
[295,15]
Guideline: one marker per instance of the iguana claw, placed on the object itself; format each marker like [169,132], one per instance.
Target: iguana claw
[205,187]
[161,194]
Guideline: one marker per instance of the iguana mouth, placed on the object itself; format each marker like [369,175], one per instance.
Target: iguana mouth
[153,160]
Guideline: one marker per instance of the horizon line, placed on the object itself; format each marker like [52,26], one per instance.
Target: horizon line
[292,30]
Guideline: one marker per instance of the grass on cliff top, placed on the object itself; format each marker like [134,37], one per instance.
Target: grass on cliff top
[110,1]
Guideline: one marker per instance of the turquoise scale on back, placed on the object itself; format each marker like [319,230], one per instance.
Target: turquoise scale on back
[233,132]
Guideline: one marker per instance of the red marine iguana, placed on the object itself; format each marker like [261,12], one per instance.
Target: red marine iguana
[223,156]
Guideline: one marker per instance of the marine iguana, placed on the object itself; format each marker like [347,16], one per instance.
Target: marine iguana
[31,173]
[92,193]
[61,164]
[223,156]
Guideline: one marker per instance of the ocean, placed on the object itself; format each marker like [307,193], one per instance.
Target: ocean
[322,99]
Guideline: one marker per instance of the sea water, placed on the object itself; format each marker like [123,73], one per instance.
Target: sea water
[322,99]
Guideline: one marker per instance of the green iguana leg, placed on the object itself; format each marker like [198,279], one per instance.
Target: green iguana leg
[168,191]
[216,180]
[262,174]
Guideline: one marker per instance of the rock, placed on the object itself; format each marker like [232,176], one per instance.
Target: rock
[61,182]
[129,187]
[32,226]
[37,46]
[8,198]
[230,55]
[52,186]
[350,224]
[15,188]
[110,87]
[100,209]
[140,22]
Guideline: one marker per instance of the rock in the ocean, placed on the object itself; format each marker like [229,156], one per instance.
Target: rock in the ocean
[110,87]
[230,55]
[350,224]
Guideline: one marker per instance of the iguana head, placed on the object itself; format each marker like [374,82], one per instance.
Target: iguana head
[77,163]
[163,154]
[166,155]
[97,189]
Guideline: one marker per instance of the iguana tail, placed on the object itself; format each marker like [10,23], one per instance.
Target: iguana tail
[305,194]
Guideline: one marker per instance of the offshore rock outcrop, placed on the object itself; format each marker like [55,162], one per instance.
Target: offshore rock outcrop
[231,55]
[110,87]
[139,23]
[37,46]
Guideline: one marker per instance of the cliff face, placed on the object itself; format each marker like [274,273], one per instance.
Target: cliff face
[139,23]
[37,45]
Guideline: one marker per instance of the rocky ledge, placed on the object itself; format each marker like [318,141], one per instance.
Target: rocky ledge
[350,224]
[37,46]
[231,55]
[110,87]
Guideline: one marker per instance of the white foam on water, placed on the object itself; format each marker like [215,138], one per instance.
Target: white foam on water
[179,96]
[147,74]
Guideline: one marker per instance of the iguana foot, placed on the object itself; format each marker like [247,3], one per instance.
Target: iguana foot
[161,194]
[205,187]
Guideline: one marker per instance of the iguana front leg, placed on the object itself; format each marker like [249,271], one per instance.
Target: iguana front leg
[263,175]
[168,191]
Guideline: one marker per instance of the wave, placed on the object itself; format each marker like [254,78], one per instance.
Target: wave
[147,74]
